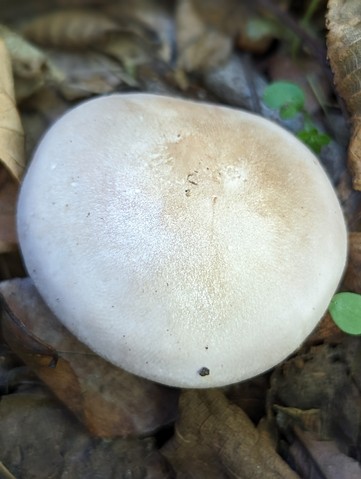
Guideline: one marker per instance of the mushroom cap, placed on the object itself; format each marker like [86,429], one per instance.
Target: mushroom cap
[191,244]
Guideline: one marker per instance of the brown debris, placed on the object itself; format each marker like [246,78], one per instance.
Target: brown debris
[11,131]
[215,439]
[352,279]
[40,439]
[109,401]
[8,197]
[200,47]
[344,52]
[71,28]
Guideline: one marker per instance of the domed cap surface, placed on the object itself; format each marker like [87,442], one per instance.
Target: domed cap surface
[191,244]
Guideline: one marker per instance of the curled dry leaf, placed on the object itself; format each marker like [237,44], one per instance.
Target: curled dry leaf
[215,439]
[109,401]
[11,131]
[73,28]
[344,51]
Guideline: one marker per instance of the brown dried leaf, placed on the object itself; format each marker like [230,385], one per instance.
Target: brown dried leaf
[31,68]
[326,331]
[321,378]
[86,73]
[72,28]
[109,401]
[352,278]
[39,439]
[11,131]
[344,51]
[8,197]
[309,419]
[200,47]
[151,20]
[215,439]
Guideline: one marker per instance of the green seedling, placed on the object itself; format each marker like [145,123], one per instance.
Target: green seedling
[289,99]
[345,310]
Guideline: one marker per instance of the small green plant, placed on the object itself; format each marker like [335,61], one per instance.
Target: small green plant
[289,99]
[345,310]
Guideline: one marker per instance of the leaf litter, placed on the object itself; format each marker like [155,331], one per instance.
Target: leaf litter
[300,419]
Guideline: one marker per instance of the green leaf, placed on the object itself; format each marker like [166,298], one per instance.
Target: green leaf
[314,139]
[345,310]
[289,111]
[284,96]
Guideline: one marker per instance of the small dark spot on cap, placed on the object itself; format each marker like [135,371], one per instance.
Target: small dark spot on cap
[204,371]
[206,347]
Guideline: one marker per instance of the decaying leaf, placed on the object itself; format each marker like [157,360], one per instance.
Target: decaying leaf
[320,379]
[352,279]
[325,332]
[344,51]
[109,401]
[40,439]
[8,196]
[151,20]
[71,28]
[200,47]
[215,439]
[87,73]
[11,131]
[31,68]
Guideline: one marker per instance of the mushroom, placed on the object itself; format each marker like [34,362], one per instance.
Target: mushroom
[192,244]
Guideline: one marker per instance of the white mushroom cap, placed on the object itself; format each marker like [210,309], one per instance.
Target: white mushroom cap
[192,244]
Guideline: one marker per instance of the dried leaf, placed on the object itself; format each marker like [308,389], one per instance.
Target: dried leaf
[39,439]
[109,401]
[215,439]
[11,131]
[199,47]
[325,332]
[320,378]
[86,73]
[73,28]
[309,419]
[352,278]
[344,51]
[8,197]
[31,68]
[151,20]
